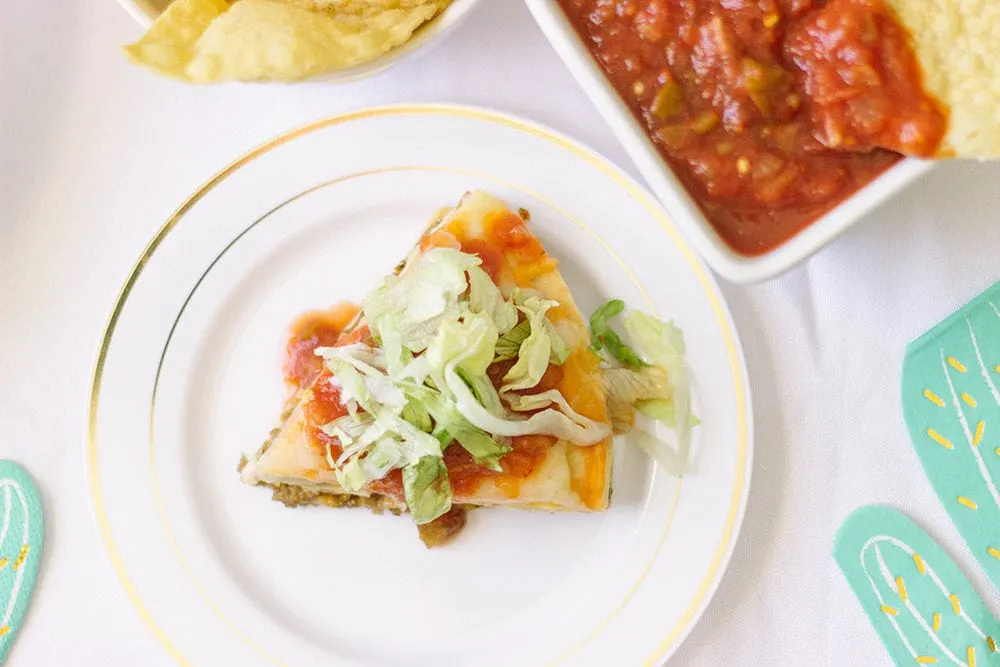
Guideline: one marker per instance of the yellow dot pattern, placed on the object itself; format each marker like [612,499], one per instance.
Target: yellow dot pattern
[940,439]
[20,557]
[933,398]
[971,504]
[901,588]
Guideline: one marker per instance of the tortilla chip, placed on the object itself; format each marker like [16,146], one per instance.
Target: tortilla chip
[167,46]
[359,8]
[956,42]
[207,41]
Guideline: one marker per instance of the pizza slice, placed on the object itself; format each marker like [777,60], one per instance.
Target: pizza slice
[466,378]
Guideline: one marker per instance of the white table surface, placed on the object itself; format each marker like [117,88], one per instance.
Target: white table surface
[95,154]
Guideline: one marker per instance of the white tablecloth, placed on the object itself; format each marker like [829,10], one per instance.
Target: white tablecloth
[94,154]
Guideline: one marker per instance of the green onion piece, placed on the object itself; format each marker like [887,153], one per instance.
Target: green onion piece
[604,337]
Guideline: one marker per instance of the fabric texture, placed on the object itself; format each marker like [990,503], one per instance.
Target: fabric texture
[95,154]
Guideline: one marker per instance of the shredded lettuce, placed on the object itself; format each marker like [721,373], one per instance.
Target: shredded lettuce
[464,350]
[355,433]
[384,456]
[431,284]
[427,489]
[450,425]
[417,414]
[483,448]
[414,442]
[468,343]
[532,362]
[663,344]
[628,386]
[439,325]
[362,376]
[660,409]
[349,428]
[486,393]
[367,390]
[603,337]
[663,411]
[547,422]
[529,402]
[533,306]
[509,343]
[542,345]
[485,297]
[351,475]
[650,378]
[404,312]
[353,390]
[673,463]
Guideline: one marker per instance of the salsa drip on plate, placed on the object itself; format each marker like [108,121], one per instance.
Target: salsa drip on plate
[770,112]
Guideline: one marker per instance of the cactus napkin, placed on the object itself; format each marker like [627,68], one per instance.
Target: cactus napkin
[951,404]
[922,606]
[20,549]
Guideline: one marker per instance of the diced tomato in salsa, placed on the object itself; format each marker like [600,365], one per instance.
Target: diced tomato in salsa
[770,112]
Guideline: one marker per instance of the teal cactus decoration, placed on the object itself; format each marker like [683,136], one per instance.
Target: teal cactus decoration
[922,606]
[20,549]
[951,403]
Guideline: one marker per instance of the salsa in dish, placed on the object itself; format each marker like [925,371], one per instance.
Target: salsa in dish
[770,112]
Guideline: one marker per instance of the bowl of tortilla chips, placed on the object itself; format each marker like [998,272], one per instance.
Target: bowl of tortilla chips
[214,41]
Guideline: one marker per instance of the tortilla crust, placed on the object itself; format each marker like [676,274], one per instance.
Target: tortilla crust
[569,478]
[956,42]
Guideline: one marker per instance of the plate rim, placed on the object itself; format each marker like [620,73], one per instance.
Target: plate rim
[722,553]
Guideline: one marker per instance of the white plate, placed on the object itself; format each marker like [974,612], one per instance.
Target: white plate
[434,32]
[680,204]
[188,378]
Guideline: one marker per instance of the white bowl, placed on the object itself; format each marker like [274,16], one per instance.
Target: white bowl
[685,212]
[433,32]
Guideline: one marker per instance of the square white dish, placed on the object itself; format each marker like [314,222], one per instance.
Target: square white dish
[667,187]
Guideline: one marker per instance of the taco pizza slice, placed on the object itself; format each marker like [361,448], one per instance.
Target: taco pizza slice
[466,378]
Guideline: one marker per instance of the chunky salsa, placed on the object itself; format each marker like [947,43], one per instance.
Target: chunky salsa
[771,112]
